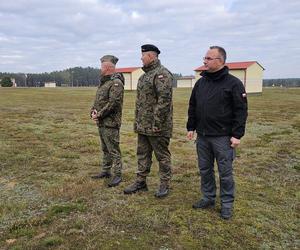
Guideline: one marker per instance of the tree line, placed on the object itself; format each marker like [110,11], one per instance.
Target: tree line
[284,82]
[72,77]
[76,77]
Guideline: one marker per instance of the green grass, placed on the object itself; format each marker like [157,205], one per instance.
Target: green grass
[49,148]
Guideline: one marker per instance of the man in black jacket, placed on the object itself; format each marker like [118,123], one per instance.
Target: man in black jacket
[218,113]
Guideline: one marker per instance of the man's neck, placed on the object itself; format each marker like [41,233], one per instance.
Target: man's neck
[109,73]
[216,70]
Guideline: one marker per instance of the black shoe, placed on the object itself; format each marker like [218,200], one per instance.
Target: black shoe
[135,187]
[115,181]
[203,204]
[101,175]
[226,213]
[163,190]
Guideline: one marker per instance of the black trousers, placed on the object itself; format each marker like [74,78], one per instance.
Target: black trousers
[218,148]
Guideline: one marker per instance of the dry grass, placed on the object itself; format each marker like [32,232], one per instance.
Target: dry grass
[49,148]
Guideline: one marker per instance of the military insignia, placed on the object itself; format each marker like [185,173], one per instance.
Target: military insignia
[244,95]
[116,84]
[160,76]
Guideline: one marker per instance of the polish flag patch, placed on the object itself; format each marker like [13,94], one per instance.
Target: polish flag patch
[244,95]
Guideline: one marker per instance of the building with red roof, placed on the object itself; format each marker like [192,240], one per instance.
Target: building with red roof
[131,75]
[250,73]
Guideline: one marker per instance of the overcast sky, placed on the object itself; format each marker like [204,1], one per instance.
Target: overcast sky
[43,35]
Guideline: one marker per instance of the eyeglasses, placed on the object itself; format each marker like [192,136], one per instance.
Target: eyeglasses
[210,58]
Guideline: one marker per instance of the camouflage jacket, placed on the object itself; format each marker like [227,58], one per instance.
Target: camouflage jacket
[154,108]
[109,101]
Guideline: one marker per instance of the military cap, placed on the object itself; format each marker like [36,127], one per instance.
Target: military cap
[109,58]
[150,47]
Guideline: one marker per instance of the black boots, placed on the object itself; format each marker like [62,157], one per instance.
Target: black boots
[141,185]
[203,204]
[226,213]
[115,181]
[136,187]
[101,175]
[163,190]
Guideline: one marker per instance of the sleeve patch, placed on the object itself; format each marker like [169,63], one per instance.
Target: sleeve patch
[244,95]
[160,76]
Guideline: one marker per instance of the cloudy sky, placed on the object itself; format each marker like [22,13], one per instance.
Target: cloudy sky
[44,35]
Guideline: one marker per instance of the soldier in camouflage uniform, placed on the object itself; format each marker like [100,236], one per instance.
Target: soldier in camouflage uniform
[153,121]
[107,112]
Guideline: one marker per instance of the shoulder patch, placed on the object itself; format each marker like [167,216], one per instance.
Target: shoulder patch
[244,95]
[117,82]
[160,76]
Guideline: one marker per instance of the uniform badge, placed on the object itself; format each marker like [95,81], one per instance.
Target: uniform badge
[160,76]
[244,95]
[116,84]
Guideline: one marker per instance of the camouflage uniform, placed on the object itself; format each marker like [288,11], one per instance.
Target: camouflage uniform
[153,119]
[108,103]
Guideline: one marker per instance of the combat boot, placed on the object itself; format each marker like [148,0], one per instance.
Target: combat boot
[226,213]
[204,204]
[101,175]
[115,181]
[163,190]
[136,187]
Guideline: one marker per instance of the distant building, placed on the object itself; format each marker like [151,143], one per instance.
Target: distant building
[250,73]
[14,82]
[131,75]
[50,84]
[186,82]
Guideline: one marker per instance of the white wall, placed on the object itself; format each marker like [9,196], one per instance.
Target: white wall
[50,84]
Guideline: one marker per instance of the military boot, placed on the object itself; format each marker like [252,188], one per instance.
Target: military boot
[136,187]
[204,204]
[163,190]
[115,181]
[226,213]
[101,175]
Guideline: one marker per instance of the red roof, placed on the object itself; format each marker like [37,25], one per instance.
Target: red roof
[127,70]
[233,65]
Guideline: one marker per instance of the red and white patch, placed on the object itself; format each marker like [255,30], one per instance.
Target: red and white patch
[244,95]
[160,76]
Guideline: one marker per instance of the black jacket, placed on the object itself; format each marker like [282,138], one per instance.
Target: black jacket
[218,105]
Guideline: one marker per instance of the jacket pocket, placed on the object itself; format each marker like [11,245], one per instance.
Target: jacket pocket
[225,98]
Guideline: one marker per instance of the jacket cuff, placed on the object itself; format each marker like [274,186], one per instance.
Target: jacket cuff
[237,136]
[190,129]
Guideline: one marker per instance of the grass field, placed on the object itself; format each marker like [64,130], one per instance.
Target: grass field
[49,148]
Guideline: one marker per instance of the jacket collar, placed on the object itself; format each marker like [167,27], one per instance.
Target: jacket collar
[152,65]
[105,79]
[216,75]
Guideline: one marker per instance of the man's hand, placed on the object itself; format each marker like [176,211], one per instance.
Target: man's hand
[94,115]
[234,142]
[190,135]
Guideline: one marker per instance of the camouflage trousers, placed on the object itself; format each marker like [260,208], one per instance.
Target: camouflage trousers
[110,140]
[159,145]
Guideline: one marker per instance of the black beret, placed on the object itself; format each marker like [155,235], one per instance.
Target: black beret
[150,47]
